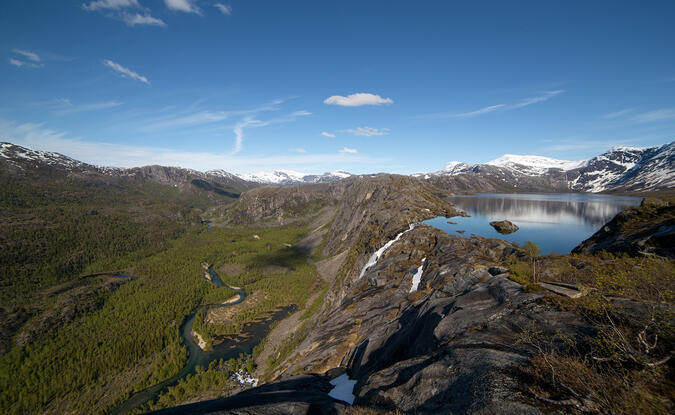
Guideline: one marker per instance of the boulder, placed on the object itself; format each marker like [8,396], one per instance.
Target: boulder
[504,226]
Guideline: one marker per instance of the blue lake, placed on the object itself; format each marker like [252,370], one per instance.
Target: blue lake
[555,222]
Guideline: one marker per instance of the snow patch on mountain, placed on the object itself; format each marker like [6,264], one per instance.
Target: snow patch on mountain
[534,165]
[377,254]
[626,168]
[284,177]
[18,155]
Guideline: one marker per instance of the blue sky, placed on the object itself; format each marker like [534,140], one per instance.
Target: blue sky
[364,86]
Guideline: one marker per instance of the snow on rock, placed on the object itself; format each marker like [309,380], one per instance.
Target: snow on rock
[534,165]
[454,167]
[377,254]
[417,277]
[16,154]
[221,173]
[244,378]
[292,177]
[343,389]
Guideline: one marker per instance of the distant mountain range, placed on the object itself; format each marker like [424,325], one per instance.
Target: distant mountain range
[619,169]
[284,177]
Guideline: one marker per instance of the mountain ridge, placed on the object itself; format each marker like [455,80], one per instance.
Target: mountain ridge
[618,169]
[621,168]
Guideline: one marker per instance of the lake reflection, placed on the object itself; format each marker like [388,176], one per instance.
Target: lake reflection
[556,222]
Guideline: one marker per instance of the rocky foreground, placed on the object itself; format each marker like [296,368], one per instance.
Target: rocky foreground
[444,324]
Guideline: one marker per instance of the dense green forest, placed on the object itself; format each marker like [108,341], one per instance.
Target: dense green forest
[133,340]
[54,230]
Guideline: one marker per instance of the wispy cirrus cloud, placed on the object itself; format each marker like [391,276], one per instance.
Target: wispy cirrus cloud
[118,9]
[660,115]
[192,116]
[535,100]
[348,150]
[300,150]
[38,136]
[133,19]
[224,8]
[301,113]
[68,107]
[618,114]
[125,72]
[252,122]
[500,107]
[185,6]
[110,5]
[477,112]
[28,55]
[327,134]
[357,100]
[26,59]
[367,131]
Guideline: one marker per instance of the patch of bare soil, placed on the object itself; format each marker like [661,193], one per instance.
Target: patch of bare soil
[317,230]
[328,268]
[223,315]
[231,269]
[274,269]
[283,329]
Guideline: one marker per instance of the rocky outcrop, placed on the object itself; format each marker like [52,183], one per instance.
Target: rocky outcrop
[644,230]
[504,226]
[449,347]
[300,395]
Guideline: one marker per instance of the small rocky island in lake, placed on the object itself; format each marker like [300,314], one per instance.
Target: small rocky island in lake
[504,226]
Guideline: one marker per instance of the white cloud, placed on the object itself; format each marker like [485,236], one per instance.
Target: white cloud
[125,71]
[504,107]
[665,114]
[203,117]
[137,19]
[534,100]
[185,6]
[110,5]
[28,55]
[301,113]
[117,7]
[481,111]
[357,100]
[348,150]
[19,63]
[239,132]
[190,118]
[367,131]
[224,8]
[69,108]
[327,134]
[618,114]
[300,150]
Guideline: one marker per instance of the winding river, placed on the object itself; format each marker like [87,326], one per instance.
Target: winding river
[229,347]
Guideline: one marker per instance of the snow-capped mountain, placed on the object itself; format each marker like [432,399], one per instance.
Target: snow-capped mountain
[286,177]
[19,157]
[621,168]
[534,165]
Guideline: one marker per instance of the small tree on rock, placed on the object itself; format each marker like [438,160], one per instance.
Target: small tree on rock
[532,251]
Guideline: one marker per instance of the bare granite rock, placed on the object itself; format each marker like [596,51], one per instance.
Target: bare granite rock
[504,226]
